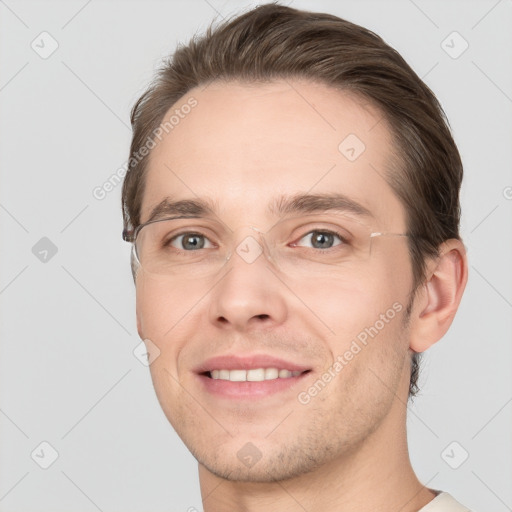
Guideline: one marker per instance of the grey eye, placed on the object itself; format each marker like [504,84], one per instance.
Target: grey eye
[320,239]
[190,241]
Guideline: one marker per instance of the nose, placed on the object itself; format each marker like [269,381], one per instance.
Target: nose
[250,293]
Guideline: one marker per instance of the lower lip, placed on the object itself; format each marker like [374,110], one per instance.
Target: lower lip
[246,389]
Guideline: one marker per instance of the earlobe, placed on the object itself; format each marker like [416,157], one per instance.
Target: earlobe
[440,297]
[138,313]
[139,327]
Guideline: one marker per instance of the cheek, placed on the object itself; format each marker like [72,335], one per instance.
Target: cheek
[385,288]
[364,313]
[347,306]
[368,352]
[162,313]
[151,304]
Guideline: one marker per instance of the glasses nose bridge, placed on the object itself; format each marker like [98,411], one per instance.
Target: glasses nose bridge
[251,242]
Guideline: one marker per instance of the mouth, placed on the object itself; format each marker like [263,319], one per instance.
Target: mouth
[249,376]
[253,374]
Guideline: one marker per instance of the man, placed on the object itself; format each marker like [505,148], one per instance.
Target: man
[292,200]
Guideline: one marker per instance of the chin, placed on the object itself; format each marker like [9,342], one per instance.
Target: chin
[249,464]
[262,472]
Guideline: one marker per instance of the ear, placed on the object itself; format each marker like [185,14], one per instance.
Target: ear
[138,286]
[139,326]
[438,300]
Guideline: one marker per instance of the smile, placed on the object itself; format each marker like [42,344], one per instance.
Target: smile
[253,375]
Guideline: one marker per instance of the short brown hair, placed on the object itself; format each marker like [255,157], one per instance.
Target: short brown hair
[273,42]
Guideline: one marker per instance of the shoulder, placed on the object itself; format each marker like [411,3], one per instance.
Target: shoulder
[444,502]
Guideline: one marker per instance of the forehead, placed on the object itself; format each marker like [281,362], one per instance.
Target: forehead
[242,146]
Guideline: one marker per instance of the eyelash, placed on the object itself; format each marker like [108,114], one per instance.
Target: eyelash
[342,238]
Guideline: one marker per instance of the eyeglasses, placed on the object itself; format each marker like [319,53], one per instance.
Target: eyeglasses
[304,245]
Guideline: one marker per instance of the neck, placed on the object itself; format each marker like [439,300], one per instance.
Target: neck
[375,475]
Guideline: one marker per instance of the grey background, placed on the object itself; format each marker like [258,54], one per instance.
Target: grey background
[68,375]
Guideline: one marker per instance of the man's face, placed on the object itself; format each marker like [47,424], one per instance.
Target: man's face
[244,147]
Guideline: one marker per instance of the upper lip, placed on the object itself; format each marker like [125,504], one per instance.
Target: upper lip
[248,362]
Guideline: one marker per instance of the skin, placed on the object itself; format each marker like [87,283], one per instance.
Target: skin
[347,448]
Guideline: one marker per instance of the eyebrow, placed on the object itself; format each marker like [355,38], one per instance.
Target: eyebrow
[282,205]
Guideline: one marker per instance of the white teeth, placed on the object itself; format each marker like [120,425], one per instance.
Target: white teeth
[256,375]
[237,375]
[271,373]
[223,374]
[253,375]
